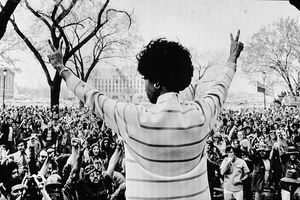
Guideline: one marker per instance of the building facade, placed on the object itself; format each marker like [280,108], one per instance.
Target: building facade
[128,88]
[8,84]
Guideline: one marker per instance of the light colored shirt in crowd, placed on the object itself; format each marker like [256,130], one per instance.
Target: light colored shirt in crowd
[285,195]
[237,170]
[164,143]
[10,134]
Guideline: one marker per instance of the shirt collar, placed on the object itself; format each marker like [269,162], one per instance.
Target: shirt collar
[167,97]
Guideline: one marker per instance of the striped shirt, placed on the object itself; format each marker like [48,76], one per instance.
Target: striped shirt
[164,143]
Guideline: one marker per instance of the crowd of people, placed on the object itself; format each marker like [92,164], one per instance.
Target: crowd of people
[255,153]
[72,154]
[69,154]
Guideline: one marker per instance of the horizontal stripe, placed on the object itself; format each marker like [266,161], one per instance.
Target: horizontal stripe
[223,86]
[171,128]
[170,111]
[165,161]
[174,197]
[217,96]
[166,145]
[224,83]
[166,181]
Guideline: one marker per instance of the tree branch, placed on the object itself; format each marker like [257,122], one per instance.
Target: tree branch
[35,13]
[66,11]
[6,12]
[92,34]
[35,52]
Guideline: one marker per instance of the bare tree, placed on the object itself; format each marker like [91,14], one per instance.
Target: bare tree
[114,45]
[61,18]
[274,49]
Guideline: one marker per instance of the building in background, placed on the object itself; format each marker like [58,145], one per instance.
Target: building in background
[9,83]
[127,87]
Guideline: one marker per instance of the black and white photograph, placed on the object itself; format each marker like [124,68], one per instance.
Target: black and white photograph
[149,99]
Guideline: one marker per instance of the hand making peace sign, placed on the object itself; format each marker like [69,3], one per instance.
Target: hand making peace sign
[56,58]
[236,47]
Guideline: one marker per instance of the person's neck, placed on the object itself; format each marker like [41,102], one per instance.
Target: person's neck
[163,90]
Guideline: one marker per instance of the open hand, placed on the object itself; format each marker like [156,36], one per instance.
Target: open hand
[236,47]
[56,58]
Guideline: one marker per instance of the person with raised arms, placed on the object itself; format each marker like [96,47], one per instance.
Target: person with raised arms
[165,143]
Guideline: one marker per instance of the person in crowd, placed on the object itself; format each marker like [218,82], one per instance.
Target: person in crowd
[50,134]
[94,157]
[290,161]
[247,182]
[10,176]
[119,186]
[6,135]
[262,168]
[220,143]
[289,184]
[277,171]
[97,184]
[16,191]
[235,171]
[42,158]
[167,69]
[214,159]
[21,158]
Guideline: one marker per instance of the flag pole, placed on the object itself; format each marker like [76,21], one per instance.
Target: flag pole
[264,79]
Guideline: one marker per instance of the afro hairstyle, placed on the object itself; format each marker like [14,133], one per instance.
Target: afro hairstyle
[166,62]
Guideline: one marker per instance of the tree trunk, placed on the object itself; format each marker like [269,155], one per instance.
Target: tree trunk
[5,14]
[291,91]
[55,91]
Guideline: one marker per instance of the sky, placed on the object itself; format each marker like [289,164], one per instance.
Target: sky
[201,25]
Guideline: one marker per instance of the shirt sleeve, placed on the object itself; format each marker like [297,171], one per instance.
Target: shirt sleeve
[213,100]
[110,111]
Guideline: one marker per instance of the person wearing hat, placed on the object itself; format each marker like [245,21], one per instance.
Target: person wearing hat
[290,160]
[261,174]
[289,184]
[16,191]
[54,187]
